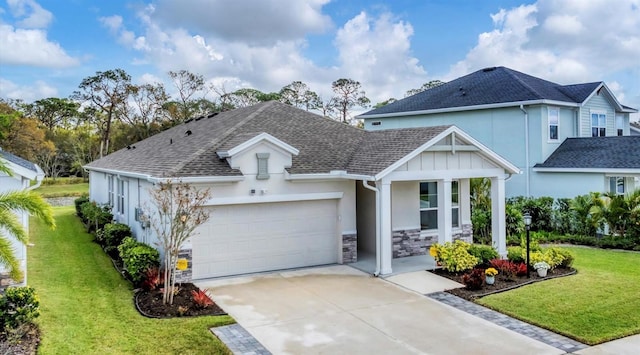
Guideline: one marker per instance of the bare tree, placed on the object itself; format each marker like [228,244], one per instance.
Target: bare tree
[178,212]
[348,95]
[187,84]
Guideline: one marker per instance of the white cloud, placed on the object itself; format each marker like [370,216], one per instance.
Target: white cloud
[31,47]
[377,52]
[31,13]
[256,22]
[567,41]
[27,93]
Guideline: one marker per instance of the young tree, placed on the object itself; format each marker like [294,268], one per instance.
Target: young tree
[18,201]
[107,95]
[348,95]
[178,212]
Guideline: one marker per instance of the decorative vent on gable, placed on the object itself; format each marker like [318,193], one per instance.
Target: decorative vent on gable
[263,166]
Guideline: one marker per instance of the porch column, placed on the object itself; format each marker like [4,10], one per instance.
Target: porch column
[445,219]
[385,228]
[498,221]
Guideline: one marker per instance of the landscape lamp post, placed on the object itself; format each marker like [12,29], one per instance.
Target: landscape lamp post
[527,225]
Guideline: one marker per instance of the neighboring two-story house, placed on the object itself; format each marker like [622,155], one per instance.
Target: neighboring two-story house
[567,140]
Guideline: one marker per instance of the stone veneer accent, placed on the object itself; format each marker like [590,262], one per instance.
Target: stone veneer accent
[466,235]
[349,248]
[185,275]
[410,243]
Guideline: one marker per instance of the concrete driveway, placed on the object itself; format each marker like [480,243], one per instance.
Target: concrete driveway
[338,309]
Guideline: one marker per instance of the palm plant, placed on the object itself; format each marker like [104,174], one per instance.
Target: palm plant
[10,203]
[619,212]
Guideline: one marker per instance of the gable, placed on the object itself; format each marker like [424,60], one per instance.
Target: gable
[246,161]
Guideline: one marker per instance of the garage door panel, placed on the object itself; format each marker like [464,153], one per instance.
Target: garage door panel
[253,238]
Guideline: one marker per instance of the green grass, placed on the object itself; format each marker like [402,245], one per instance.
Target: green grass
[87,307]
[63,190]
[600,303]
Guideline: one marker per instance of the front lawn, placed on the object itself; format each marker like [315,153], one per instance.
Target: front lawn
[87,306]
[63,190]
[598,304]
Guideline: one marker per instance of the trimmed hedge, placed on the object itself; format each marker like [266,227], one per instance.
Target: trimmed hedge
[113,234]
[137,258]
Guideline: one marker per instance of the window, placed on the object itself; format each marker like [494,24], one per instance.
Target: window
[263,166]
[620,125]
[598,124]
[554,118]
[616,185]
[120,208]
[428,205]
[111,190]
[455,206]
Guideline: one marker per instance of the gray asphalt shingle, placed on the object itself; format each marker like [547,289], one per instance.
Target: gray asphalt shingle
[189,150]
[18,161]
[620,152]
[489,86]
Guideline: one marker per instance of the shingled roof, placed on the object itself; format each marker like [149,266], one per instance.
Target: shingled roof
[495,85]
[18,161]
[189,150]
[619,152]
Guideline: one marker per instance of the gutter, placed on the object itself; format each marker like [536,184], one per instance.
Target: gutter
[526,151]
[378,234]
[39,179]
[186,180]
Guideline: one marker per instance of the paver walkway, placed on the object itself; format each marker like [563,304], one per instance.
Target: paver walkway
[239,341]
[537,333]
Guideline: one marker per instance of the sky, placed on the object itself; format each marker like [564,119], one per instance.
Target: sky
[48,46]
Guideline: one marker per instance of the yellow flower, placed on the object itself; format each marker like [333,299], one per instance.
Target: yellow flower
[491,272]
[182,264]
[433,251]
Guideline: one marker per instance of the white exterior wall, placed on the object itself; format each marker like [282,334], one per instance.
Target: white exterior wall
[17,183]
[366,218]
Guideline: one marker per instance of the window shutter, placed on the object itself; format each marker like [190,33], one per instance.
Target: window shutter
[263,166]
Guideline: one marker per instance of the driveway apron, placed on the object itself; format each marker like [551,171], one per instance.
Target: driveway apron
[338,309]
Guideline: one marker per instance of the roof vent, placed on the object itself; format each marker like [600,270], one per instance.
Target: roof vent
[199,118]
[486,70]
[188,120]
[170,140]
[187,133]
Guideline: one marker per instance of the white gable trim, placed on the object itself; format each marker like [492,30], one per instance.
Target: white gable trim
[486,152]
[24,172]
[255,140]
[611,98]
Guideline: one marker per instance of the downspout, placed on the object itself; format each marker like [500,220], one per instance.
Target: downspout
[378,261]
[526,150]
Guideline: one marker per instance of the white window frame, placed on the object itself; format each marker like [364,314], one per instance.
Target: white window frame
[429,207]
[263,166]
[617,185]
[619,125]
[120,197]
[550,115]
[600,125]
[455,204]
[111,190]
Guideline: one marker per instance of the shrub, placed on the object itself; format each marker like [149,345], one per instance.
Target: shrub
[514,254]
[79,202]
[540,209]
[558,257]
[616,242]
[18,306]
[481,222]
[474,279]
[151,279]
[113,235]
[506,268]
[95,216]
[454,257]
[514,220]
[484,253]
[522,269]
[138,258]
[201,299]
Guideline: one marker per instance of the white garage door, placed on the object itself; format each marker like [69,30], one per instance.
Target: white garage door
[240,239]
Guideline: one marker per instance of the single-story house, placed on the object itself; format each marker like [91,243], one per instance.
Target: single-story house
[293,189]
[23,172]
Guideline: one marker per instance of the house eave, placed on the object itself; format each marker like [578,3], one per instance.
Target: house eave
[184,179]
[471,108]
[332,175]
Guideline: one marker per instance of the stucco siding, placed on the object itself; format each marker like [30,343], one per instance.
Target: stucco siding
[405,205]
[566,185]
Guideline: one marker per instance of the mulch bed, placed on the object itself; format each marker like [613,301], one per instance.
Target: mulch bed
[27,345]
[500,284]
[149,304]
